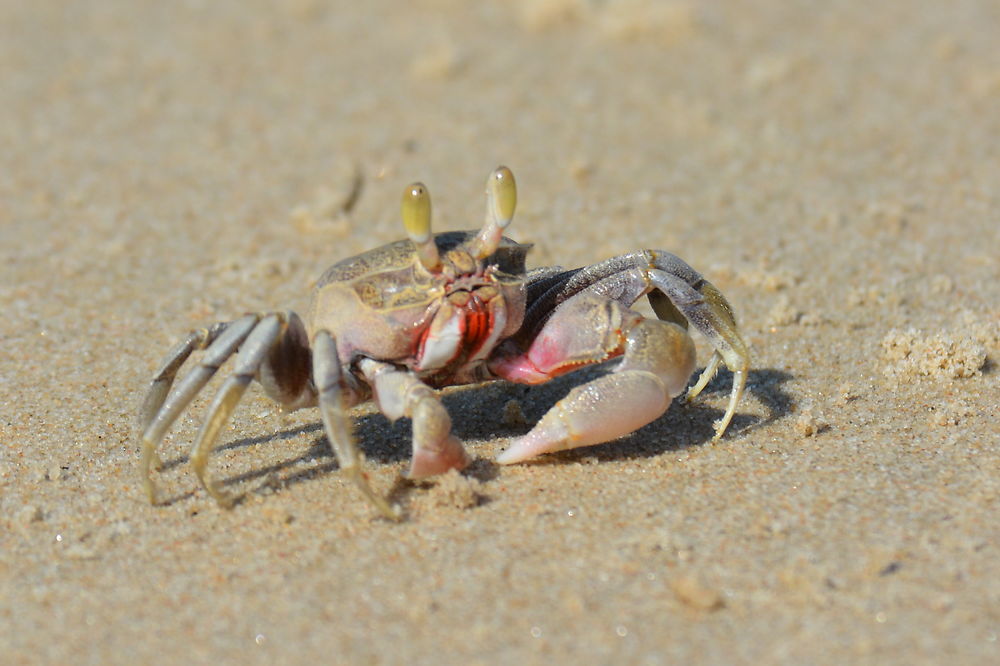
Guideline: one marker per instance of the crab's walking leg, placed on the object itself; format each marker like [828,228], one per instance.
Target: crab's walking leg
[252,353]
[400,393]
[708,311]
[216,354]
[658,360]
[164,377]
[327,378]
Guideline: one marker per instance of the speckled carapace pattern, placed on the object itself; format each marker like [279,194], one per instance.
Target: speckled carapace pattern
[832,167]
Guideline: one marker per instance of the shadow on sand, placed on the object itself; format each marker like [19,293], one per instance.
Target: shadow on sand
[478,413]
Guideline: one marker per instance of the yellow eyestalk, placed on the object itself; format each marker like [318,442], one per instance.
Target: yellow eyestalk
[416,211]
[503,196]
[501,200]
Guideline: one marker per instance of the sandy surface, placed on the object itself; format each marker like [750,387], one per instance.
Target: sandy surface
[833,168]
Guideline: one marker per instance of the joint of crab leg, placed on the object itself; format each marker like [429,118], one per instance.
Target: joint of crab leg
[164,379]
[501,201]
[416,212]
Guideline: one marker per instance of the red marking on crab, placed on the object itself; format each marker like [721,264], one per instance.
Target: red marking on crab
[456,333]
[479,324]
[518,369]
[550,356]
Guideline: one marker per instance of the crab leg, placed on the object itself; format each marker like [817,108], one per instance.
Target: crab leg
[327,376]
[399,393]
[216,354]
[708,311]
[658,360]
[252,353]
[164,377]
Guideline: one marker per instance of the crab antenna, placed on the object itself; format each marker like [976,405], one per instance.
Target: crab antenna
[501,200]
[416,208]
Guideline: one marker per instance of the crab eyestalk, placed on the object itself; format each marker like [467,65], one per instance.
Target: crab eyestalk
[501,200]
[416,209]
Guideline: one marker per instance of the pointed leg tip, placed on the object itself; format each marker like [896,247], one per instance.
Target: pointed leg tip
[150,491]
[720,429]
[224,500]
[388,510]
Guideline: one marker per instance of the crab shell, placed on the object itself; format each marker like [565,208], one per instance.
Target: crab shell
[385,305]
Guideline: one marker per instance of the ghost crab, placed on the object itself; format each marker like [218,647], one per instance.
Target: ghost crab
[444,309]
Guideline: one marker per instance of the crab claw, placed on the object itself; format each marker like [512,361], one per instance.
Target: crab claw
[658,360]
[602,410]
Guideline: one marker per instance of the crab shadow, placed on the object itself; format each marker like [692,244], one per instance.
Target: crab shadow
[500,410]
[684,425]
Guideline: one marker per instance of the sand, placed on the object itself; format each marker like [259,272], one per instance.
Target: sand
[832,168]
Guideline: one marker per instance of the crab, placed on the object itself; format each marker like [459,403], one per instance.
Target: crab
[443,309]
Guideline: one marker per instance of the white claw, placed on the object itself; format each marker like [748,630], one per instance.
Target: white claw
[604,409]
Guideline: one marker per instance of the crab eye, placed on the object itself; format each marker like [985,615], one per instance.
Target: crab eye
[417,213]
[416,209]
[503,191]
[501,200]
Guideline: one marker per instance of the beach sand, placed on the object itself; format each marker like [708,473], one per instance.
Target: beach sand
[832,168]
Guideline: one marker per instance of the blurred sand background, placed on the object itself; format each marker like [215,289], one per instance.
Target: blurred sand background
[832,167]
